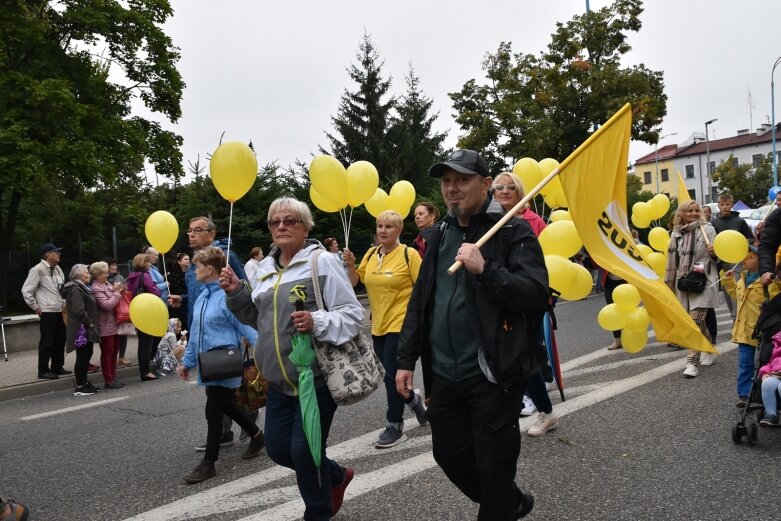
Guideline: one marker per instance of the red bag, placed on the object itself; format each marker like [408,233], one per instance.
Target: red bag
[122,309]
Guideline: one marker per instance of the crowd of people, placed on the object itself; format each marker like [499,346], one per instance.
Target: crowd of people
[477,334]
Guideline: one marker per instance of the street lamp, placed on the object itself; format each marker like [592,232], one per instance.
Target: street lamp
[773,121]
[656,157]
[707,161]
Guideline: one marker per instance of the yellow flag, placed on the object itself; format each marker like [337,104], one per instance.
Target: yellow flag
[683,193]
[594,181]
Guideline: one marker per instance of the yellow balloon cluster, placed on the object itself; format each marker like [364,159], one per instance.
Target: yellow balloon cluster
[233,169]
[400,199]
[624,314]
[531,173]
[645,212]
[161,230]
[149,314]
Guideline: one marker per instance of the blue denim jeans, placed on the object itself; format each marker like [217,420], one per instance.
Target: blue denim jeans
[770,386]
[386,347]
[286,445]
[746,355]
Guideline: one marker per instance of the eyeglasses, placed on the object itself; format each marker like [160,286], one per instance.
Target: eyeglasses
[273,223]
[188,231]
[502,188]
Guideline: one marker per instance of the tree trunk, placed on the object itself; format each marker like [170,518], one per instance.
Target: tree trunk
[7,232]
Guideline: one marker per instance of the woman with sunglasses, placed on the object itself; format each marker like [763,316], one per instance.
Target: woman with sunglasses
[508,191]
[283,278]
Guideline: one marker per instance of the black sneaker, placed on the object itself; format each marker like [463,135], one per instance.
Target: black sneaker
[114,385]
[47,376]
[202,471]
[92,387]
[254,447]
[62,372]
[741,401]
[769,420]
[526,506]
[390,437]
[84,390]
[226,441]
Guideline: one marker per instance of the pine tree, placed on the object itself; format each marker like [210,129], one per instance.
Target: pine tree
[364,116]
[416,145]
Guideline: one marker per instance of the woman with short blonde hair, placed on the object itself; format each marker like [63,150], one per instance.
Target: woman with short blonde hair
[107,297]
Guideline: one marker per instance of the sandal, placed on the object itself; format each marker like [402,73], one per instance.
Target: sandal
[19,511]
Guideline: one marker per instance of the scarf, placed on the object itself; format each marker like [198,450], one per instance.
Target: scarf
[681,260]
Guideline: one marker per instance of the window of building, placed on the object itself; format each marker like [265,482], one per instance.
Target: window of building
[689,171]
[735,162]
[692,194]
[647,178]
[665,175]
[711,167]
[756,160]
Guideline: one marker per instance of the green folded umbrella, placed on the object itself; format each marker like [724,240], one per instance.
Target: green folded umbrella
[303,356]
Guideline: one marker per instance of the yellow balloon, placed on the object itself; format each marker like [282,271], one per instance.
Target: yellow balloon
[612,318]
[644,250]
[233,169]
[730,246]
[321,202]
[149,314]
[560,215]
[529,172]
[643,211]
[581,287]
[402,193]
[626,296]
[639,222]
[329,178]
[561,274]
[657,261]
[362,182]
[560,238]
[377,203]
[660,204]
[659,238]
[638,319]
[559,198]
[634,340]
[547,165]
[161,230]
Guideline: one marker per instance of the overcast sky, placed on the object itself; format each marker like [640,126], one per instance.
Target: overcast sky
[274,72]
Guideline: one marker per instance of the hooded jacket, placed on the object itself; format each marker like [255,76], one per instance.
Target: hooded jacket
[505,303]
[272,301]
[107,300]
[82,309]
[214,326]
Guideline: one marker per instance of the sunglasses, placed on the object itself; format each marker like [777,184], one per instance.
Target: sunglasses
[274,223]
[502,188]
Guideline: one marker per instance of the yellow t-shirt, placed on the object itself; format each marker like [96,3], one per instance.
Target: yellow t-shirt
[389,279]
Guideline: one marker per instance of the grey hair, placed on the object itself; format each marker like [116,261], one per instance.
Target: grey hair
[151,251]
[96,268]
[299,209]
[77,270]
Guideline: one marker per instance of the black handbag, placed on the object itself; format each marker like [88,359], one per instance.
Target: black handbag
[693,282]
[221,363]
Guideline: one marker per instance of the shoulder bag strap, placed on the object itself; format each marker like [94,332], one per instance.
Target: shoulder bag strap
[316,279]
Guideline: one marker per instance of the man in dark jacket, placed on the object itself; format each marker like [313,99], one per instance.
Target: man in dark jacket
[476,334]
[769,241]
[727,219]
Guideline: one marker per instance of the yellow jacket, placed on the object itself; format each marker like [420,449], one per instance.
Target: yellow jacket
[749,301]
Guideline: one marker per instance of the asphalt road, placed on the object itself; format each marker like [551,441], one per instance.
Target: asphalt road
[636,441]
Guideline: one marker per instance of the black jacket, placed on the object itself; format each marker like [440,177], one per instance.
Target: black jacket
[732,222]
[82,308]
[505,303]
[769,242]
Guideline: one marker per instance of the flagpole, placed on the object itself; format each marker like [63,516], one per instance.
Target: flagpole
[509,215]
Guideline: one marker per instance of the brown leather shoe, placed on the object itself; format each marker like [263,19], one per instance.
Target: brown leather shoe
[255,446]
[202,471]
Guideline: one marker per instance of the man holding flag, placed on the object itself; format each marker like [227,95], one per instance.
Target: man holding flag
[475,332]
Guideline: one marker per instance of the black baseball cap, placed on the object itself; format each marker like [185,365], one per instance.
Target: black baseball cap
[463,161]
[46,248]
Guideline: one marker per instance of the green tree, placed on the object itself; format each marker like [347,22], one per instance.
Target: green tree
[547,105]
[69,71]
[744,182]
[416,145]
[364,116]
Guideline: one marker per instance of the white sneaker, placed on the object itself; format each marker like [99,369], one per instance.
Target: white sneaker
[707,359]
[528,406]
[544,423]
[691,371]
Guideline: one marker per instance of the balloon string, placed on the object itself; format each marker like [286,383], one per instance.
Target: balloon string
[349,227]
[230,225]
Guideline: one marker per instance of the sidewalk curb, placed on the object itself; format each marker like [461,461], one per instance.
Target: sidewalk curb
[49,386]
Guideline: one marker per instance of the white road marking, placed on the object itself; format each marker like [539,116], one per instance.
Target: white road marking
[71,409]
[240,494]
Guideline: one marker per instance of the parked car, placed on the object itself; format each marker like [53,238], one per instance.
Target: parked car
[757,216]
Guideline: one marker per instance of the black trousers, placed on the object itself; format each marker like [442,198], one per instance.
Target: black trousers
[476,441]
[711,324]
[83,356]
[51,347]
[610,285]
[221,401]
[144,352]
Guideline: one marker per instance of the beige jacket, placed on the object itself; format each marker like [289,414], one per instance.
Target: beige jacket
[41,290]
